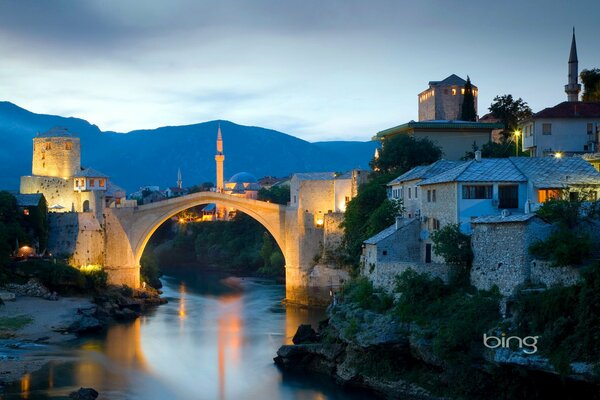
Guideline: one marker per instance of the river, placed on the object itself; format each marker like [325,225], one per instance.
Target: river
[215,339]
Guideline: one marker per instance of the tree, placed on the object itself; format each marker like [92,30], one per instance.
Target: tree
[591,84]
[468,105]
[495,150]
[276,194]
[510,112]
[455,247]
[400,153]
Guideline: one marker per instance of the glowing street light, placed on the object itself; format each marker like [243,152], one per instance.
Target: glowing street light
[558,154]
[517,135]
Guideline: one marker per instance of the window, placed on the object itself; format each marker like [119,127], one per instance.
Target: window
[384,252]
[462,91]
[416,192]
[434,225]
[409,192]
[92,182]
[48,146]
[294,199]
[453,91]
[429,196]
[477,192]
[26,211]
[508,196]
[547,129]
[347,199]
[101,183]
[445,91]
[68,145]
[433,195]
[548,194]
[590,128]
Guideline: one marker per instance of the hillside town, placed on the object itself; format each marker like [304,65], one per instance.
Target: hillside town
[463,227]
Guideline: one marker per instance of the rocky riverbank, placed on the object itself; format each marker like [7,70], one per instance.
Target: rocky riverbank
[33,318]
[371,350]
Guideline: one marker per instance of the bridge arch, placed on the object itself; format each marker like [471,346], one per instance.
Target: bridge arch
[147,218]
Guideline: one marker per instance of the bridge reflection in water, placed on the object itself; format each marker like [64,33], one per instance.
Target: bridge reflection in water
[206,343]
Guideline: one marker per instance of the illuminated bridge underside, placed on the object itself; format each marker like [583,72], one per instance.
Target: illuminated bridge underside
[129,229]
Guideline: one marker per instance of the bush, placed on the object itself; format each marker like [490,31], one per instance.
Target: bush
[95,277]
[563,247]
[360,291]
[149,269]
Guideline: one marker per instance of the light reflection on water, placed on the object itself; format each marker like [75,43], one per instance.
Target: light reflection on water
[214,340]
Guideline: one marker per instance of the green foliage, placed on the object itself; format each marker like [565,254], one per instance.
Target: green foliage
[568,244]
[150,270]
[563,247]
[400,153]
[96,278]
[12,227]
[454,318]
[511,112]
[14,323]
[273,262]
[277,194]
[567,319]
[468,106]
[360,291]
[591,84]
[455,247]
[495,150]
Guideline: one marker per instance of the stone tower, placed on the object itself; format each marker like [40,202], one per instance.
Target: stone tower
[56,153]
[219,158]
[179,180]
[573,88]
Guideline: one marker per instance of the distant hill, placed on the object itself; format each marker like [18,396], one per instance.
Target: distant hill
[151,157]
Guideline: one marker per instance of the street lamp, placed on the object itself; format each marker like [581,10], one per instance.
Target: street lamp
[517,134]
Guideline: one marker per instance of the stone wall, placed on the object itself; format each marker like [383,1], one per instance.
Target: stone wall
[543,273]
[383,274]
[78,235]
[501,253]
[444,209]
[333,233]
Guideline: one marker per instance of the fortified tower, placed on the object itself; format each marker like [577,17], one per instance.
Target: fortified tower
[56,153]
[573,88]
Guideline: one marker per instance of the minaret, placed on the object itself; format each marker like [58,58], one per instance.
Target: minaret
[219,158]
[573,88]
[179,181]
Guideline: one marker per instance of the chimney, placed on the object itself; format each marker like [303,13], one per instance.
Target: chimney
[477,155]
[398,222]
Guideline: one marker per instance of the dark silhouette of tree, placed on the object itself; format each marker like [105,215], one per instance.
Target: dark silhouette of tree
[510,112]
[591,84]
[400,153]
[468,105]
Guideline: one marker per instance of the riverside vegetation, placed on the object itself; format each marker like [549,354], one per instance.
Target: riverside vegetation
[425,339]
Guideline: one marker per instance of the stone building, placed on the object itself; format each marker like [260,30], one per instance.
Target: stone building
[443,100]
[58,175]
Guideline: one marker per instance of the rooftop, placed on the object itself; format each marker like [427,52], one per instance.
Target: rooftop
[499,219]
[440,124]
[453,80]
[90,173]
[486,170]
[243,177]
[571,109]
[315,176]
[57,131]
[426,171]
[28,200]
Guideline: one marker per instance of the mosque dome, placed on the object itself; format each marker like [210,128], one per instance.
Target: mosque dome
[243,177]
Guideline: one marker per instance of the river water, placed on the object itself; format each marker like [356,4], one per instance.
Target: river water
[215,339]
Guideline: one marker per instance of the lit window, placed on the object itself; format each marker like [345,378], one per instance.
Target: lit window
[48,146]
[453,91]
[101,182]
[548,194]
[26,211]
[68,145]
[462,91]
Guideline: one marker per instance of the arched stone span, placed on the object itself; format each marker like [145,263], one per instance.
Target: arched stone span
[128,229]
[149,217]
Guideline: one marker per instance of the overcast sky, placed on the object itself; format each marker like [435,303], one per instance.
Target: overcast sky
[319,70]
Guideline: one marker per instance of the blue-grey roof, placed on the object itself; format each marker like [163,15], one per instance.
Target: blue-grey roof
[486,170]
[552,172]
[499,219]
[381,235]
[28,200]
[426,171]
[243,177]
[57,131]
[451,80]
[90,173]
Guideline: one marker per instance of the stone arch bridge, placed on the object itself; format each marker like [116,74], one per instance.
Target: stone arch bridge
[128,230]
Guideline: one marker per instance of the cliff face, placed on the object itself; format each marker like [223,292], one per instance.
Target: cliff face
[394,360]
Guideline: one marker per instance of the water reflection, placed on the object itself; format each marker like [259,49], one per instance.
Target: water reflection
[215,339]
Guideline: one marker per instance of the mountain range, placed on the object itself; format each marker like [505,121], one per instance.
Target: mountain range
[152,156]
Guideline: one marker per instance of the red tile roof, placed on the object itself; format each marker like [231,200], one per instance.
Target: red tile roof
[571,109]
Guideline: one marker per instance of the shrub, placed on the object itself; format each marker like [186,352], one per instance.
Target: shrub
[95,277]
[360,291]
[563,247]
